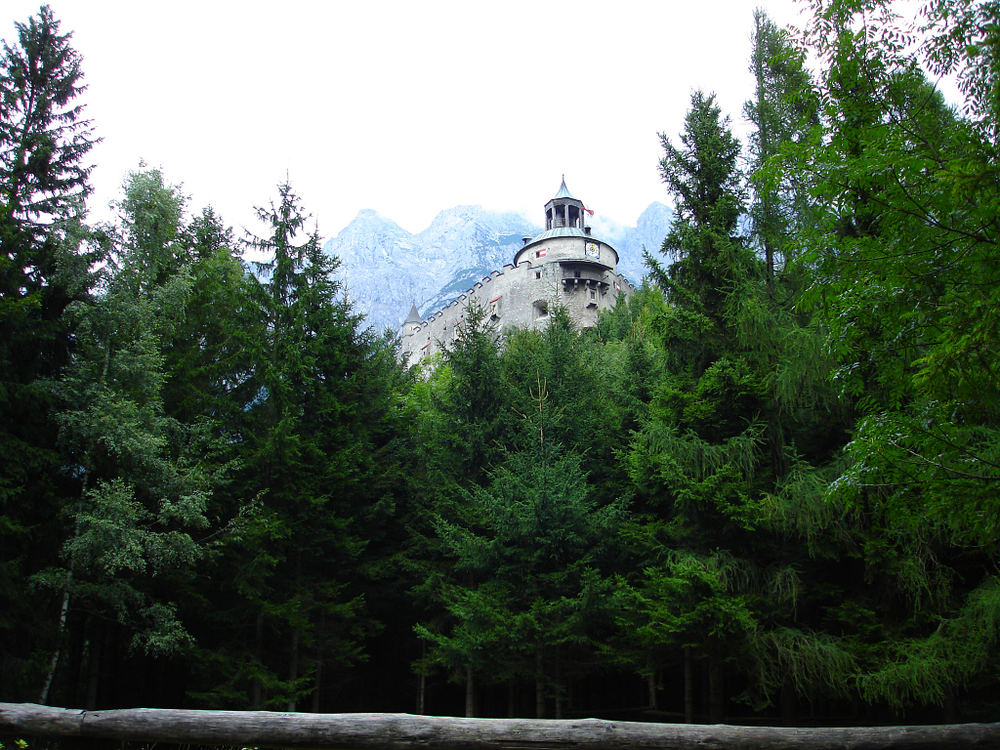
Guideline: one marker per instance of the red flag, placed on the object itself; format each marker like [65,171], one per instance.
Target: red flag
[588,210]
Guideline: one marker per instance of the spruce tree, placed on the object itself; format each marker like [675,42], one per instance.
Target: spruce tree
[315,453]
[696,460]
[141,488]
[531,550]
[44,268]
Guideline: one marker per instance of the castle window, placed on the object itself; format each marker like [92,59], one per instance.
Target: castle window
[538,274]
[540,308]
[576,274]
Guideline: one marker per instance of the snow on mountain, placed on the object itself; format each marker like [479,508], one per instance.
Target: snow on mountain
[387,269]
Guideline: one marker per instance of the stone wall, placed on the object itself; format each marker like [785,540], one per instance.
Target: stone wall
[562,267]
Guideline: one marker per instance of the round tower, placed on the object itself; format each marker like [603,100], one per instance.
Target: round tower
[567,265]
[564,210]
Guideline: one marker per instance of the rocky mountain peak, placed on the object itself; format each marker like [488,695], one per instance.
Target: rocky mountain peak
[387,269]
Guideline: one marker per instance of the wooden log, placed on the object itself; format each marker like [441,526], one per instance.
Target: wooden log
[409,732]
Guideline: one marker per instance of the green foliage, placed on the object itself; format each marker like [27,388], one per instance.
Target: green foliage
[473,400]
[43,138]
[813,664]
[784,112]
[316,445]
[771,472]
[143,489]
[935,667]
[903,283]
[44,142]
[529,549]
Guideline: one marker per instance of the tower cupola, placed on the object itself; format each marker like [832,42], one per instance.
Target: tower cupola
[564,210]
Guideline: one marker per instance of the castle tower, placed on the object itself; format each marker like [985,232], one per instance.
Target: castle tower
[564,265]
[564,210]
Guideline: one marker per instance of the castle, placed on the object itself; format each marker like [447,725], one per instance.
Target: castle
[564,265]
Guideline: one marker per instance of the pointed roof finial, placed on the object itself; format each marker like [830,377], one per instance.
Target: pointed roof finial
[563,190]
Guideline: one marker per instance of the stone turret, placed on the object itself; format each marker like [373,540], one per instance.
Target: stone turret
[564,210]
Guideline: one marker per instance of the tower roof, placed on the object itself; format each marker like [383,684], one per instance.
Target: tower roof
[414,316]
[564,191]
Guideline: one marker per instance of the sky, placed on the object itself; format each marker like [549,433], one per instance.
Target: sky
[407,108]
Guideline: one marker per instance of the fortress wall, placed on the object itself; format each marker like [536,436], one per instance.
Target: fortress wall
[517,297]
[438,330]
[520,296]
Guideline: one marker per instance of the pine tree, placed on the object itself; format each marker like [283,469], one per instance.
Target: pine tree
[44,268]
[532,551]
[141,487]
[696,461]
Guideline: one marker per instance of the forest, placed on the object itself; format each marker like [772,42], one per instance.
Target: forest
[763,489]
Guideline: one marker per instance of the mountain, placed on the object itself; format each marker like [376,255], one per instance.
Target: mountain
[387,269]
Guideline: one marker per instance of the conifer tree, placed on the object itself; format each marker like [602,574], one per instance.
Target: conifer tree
[460,423]
[315,441]
[907,288]
[696,461]
[532,550]
[784,113]
[571,365]
[141,487]
[44,268]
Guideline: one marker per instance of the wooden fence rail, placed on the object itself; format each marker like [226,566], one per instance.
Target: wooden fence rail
[409,732]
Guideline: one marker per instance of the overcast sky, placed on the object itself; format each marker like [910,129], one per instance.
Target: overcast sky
[404,107]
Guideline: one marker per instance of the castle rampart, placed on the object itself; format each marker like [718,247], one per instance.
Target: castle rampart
[564,265]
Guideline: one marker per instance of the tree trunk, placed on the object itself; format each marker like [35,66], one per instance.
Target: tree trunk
[470,693]
[422,682]
[787,703]
[256,691]
[688,687]
[317,684]
[539,685]
[716,689]
[94,667]
[559,684]
[293,667]
[404,732]
[43,696]
[68,582]
[67,585]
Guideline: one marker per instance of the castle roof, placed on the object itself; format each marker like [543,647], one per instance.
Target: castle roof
[560,232]
[564,191]
[414,316]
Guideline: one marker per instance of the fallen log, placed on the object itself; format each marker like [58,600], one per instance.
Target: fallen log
[410,732]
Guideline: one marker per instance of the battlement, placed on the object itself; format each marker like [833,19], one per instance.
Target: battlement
[564,265]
